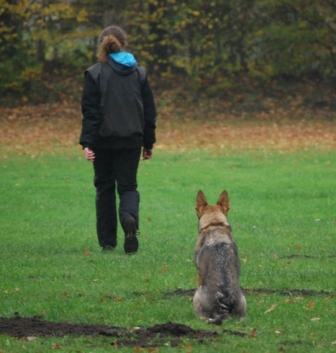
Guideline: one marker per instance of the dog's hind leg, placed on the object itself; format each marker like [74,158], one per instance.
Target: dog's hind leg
[239,310]
[202,307]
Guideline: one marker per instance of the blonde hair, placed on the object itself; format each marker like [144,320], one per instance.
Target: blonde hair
[112,40]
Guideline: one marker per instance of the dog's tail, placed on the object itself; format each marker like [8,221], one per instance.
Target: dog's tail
[223,308]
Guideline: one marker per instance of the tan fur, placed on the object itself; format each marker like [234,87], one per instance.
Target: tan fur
[218,296]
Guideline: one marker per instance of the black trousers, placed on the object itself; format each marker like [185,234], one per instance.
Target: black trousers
[115,169]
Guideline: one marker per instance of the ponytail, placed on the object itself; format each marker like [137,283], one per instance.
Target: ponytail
[112,40]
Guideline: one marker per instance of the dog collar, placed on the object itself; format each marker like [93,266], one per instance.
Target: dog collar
[220,224]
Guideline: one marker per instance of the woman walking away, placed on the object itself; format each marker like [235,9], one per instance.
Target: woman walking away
[119,117]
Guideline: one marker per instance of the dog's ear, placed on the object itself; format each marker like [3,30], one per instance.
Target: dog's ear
[223,202]
[201,203]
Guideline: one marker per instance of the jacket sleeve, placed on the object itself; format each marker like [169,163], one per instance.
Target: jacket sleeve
[149,114]
[90,104]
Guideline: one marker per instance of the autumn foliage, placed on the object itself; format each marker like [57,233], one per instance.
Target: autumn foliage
[216,46]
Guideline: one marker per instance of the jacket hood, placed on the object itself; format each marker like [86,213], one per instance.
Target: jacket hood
[123,63]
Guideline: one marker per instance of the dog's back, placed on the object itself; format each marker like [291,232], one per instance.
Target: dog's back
[219,295]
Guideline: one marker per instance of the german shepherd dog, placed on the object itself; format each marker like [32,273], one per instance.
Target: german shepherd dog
[219,295]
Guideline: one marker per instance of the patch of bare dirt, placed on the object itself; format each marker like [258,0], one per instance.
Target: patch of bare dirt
[298,256]
[257,291]
[158,335]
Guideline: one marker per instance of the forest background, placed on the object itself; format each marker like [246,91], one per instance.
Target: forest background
[244,53]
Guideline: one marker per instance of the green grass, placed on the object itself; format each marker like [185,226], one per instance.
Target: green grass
[281,205]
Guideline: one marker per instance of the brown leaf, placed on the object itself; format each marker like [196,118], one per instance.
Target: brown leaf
[311,304]
[253,333]
[298,246]
[56,346]
[282,349]
[270,309]
[65,294]
[86,252]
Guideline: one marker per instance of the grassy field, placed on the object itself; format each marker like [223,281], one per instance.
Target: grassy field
[283,215]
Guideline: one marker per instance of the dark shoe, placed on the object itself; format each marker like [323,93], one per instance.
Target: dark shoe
[131,244]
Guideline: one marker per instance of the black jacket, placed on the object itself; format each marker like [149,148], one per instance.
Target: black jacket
[118,107]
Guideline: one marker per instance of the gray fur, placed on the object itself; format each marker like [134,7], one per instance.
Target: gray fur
[219,296]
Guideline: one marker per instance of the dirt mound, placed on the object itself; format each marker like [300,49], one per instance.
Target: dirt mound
[256,291]
[158,335]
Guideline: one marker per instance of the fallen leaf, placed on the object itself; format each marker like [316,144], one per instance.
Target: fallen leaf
[56,346]
[282,349]
[275,256]
[315,319]
[333,343]
[298,246]
[270,309]
[86,252]
[311,304]
[65,294]
[187,346]
[253,333]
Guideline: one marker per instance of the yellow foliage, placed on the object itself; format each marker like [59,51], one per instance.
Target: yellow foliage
[29,74]
[82,16]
